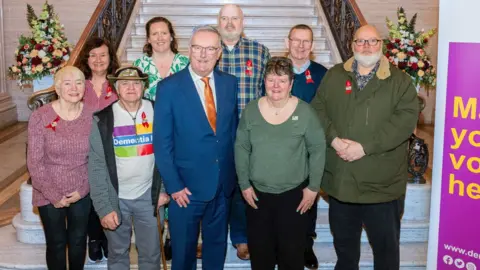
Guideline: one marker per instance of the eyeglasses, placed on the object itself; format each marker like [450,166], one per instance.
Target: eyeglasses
[208,50]
[296,42]
[371,42]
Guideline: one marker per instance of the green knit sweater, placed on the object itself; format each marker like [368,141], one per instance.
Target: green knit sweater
[278,158]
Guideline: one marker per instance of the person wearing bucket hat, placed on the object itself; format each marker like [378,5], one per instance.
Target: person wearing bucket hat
[125,186]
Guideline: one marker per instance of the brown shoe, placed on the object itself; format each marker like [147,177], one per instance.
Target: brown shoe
[242,252]
[199,251]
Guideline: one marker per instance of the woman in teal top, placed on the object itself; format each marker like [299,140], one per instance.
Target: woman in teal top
[161,58]
[279,158]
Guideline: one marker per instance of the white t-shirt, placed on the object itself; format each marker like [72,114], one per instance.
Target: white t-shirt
[133,145]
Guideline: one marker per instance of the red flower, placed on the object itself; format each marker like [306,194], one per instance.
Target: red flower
[50,49]
[38,46]
[402,65]
[414,66]
[411,53]
[36,61]
[425,40]
[109,92]
[397,40]
[32,41]
[390,46]
[56,62]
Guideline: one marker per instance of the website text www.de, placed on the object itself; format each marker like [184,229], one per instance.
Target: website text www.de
[469,253]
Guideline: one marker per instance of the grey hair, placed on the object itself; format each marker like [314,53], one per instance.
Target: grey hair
[206,28]
[58,77]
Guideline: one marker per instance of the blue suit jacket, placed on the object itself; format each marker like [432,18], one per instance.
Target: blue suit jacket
[187,151]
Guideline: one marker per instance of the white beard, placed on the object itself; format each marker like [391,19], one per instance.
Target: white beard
[367,61]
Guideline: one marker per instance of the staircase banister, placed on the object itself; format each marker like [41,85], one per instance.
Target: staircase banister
[42,97]
[344,17]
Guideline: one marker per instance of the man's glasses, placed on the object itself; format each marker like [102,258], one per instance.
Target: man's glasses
[297,42]
[208,50]
[371,42]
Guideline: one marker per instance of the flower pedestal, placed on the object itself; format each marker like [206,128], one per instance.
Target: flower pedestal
[43,83]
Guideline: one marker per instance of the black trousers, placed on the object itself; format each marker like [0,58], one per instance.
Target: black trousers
[312,224]
[382,224]
[66,227]
[276,231]
[95,229]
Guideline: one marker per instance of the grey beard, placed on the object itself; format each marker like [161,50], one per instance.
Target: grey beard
[367,61]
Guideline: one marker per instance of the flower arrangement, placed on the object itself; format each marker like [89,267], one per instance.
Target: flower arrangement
[42,53]
[405,48]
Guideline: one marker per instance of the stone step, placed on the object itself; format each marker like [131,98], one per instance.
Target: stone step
[200,19]
[20,256]
[212,9]
[251,31]
[271,43]
[321,56]
[238,2]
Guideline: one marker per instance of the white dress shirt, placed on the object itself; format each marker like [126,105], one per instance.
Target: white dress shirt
[200,85]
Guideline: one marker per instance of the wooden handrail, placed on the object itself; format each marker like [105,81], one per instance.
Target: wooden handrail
[358,12]
[344,18]
[102,24]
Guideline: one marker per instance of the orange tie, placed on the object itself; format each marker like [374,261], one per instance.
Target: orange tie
[210,105]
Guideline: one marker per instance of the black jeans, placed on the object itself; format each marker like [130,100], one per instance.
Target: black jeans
[382,224]
[95,229]
[276,231]
[59,235]
[312,224]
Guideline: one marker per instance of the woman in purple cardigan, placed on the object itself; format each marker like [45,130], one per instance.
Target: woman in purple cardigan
[58,144]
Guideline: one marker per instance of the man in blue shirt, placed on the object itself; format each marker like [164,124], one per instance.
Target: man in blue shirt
[308,75]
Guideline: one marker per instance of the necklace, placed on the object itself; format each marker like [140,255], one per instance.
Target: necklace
[134,118]
[66,118]
[277,111]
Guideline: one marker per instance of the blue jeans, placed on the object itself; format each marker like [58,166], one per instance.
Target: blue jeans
[238,218]
[59,235]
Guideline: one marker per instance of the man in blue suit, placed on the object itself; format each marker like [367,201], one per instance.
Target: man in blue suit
[194,133]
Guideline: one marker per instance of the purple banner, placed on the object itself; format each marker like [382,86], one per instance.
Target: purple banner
[459,228]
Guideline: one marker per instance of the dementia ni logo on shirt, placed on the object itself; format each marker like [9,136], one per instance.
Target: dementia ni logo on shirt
[128,143]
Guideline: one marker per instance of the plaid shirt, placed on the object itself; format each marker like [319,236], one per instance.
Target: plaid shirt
[362,80]
[247,61]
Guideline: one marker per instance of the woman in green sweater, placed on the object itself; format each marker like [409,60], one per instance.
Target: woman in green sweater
[279,158]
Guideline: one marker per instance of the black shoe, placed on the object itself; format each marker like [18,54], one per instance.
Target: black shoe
[94,251]
[104,244]
[311,261]
[167,247]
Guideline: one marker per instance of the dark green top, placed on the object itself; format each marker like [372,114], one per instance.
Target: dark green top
[278,158]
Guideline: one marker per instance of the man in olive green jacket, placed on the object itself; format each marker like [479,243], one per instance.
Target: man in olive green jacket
[369,108]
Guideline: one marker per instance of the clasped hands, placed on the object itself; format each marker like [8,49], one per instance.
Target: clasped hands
[348,150]
[67,200]
[308,199]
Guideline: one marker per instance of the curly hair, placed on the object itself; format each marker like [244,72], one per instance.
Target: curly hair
[93,43]
[147,48]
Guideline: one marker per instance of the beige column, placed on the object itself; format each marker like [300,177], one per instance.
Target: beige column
[8,109]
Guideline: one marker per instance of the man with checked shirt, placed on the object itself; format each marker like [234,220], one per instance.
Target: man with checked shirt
[246,59]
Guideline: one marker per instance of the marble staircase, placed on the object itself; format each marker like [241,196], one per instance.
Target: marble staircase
[267,21]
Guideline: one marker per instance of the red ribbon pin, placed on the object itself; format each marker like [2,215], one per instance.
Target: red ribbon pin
[109,92]
[249,69]
[308,76]
[144,120]
[348,87]
[54,123]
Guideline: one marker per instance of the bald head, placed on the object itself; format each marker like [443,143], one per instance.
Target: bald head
[230,23]
[230,9]
[366,32]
